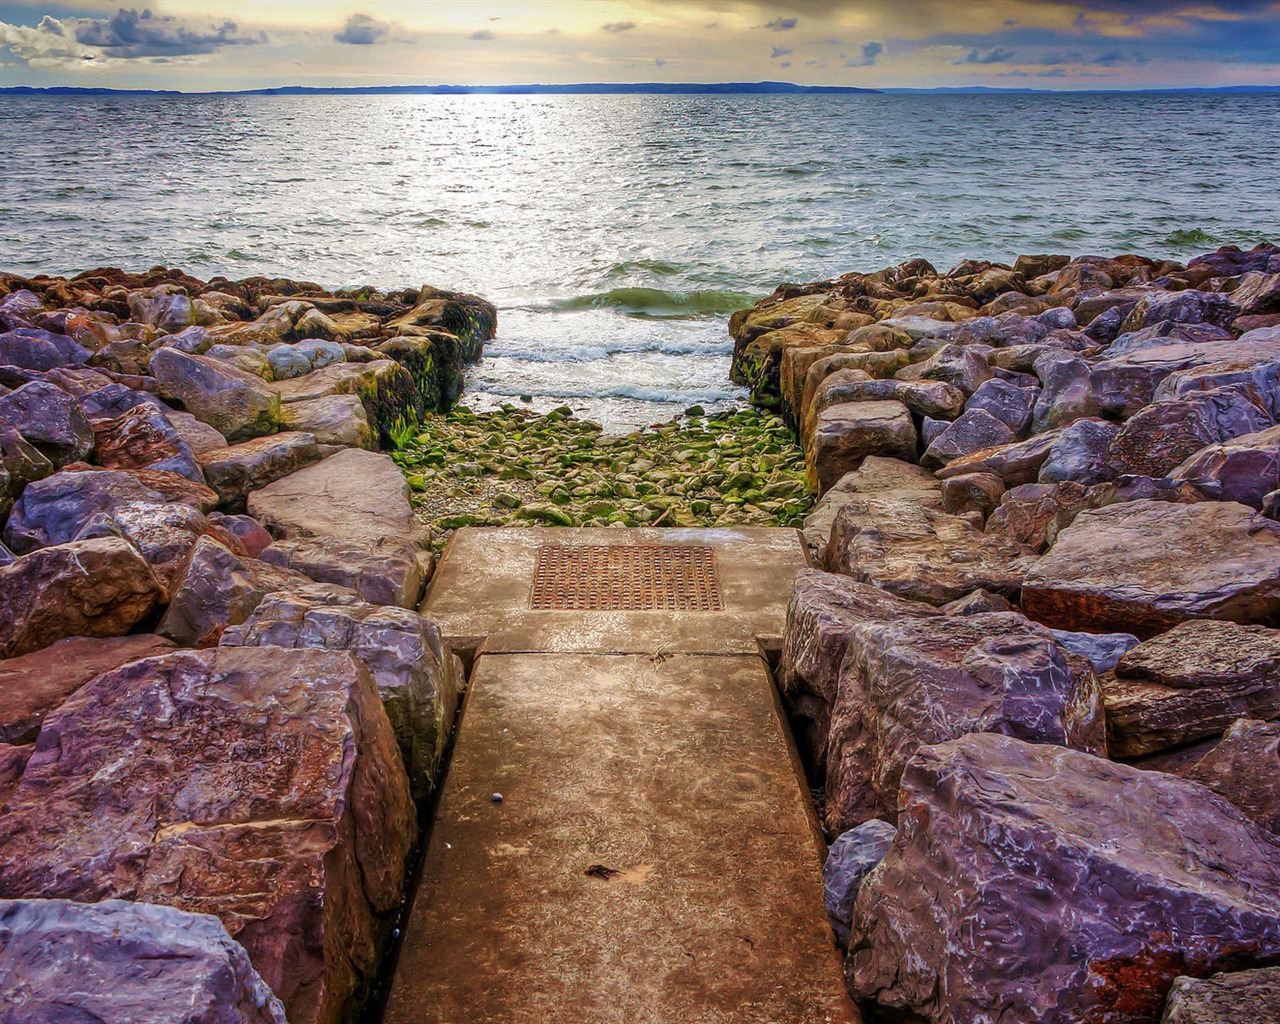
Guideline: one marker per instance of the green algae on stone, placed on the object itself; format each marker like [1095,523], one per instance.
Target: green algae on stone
[515,468]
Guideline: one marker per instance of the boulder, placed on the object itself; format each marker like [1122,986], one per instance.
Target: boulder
[1187,307]
[1191,683]
[1015,463]
[1102,650]
[1143,566]
[419,680]
[1010,404]
[1079,453]
[333,419]
[972,492]
[54,510]
[846,434]
[200,437]
[33,349]
[262,786]
[849,861]
[236,404]
[117,962]
[217,588]
[1163,434]
[921,553]
[32,685]
[143,437]
[1240,997]
[237,471]
[1244,469]
[1032,514]
[974,430]
[1257,293]
[1068,389]
[20,464]
[962,366]
[1245,769]
[824,609]
[245,529]
[1031,882]
[905,684]
[50,420]
[876,478]
[347,520]
[385,389]
[100,587]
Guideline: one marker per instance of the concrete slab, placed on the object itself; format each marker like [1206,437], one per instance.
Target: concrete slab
[480,595]
[654,858]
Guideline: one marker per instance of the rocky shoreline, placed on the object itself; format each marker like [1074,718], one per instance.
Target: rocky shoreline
[1037,671]
[220,710]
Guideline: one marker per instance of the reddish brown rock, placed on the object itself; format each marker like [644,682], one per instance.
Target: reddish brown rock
[907,684]
[1245,469]
[1245,769]
[217,588]
[1191,683]
[117,962]
[972,492]
[876,479]
[1016,463]
[845,434]
[921,553]
[1031,882]
[1143,566]
[262,786]
[34,684]
[1032,514]
[95,588]
[250,465]
[824,609]
[144,438]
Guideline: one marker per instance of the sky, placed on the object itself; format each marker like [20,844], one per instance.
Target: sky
[242,44]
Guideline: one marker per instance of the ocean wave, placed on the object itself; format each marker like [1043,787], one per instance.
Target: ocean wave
[656,302]
[638,392]
[590,353]
[1190,236]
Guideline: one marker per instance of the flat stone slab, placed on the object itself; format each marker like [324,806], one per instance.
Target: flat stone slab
[654,857]
[490,593]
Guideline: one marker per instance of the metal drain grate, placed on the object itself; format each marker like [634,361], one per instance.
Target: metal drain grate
[626,578]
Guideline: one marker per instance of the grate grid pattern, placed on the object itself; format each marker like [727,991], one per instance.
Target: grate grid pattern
[626,578]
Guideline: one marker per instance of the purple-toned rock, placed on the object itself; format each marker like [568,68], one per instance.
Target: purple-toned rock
[824,609]
[974,430]
[1016,463]
[262,786]
[143,437]
[236,404]
[1102,650]
[1143,566]
[1240,997]
[1191,683]
[1031,882]
[118,962]
[1032,514]
[1167,332]
[1186,307]
[905,684]
[1257,293]
[54,510]
[1245,769]
[1068,391]
[962,366]
[1010,404]
[50,420]
[976,603]
[246,530]
[419,680]
[20,463]
[849,861]
[1244,469]
[90,588]
[33,349]
[1160,436]
[1079,453]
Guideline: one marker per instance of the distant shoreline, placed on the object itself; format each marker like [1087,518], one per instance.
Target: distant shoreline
[618,89]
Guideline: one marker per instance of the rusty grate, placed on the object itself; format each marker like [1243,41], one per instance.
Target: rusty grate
[626,578]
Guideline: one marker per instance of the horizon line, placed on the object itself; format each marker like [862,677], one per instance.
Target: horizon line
[605,88]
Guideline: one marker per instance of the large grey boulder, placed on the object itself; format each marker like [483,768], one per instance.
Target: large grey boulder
[1032,882]
[118,962]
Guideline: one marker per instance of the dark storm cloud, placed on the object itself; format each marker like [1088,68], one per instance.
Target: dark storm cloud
[133,33]
[363,30]
[992,55]
[782,24]
[867,54]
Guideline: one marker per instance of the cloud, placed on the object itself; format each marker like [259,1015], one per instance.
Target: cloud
[133,33]
[992,55]
[781,51]
[362,30]
[618,26]
[867,54]
[484,35]
[782,24]
[51,25]
[658,62]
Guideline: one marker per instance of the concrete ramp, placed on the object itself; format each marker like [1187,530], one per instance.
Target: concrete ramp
[654,858]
